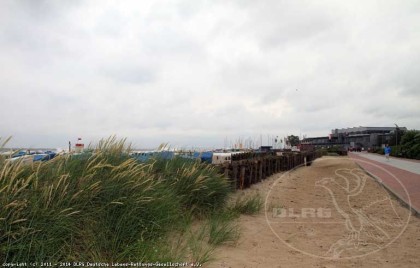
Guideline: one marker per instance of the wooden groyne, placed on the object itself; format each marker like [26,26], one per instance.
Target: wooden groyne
[249,168]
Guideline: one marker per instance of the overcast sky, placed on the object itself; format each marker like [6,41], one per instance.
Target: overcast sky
[200,72]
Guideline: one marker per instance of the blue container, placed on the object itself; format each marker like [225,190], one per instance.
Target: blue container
[206,157]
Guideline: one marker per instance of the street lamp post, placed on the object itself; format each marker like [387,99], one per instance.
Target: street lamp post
[396,137]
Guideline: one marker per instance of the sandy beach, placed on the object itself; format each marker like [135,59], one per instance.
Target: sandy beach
[330,214]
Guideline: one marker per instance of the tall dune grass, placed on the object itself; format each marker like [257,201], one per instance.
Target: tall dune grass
[198,186]
[103,206]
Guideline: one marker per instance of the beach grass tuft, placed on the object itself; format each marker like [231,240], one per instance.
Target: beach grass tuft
[105,206]
[250,205]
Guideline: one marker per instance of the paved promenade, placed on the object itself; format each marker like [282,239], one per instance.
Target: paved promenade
[400,176]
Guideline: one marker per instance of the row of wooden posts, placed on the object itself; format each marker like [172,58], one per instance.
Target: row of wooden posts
[243,173]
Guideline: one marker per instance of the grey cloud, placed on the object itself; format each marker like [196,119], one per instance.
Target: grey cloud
[396,110]
[131,74]
[279,23]
[408,80]
[196,72]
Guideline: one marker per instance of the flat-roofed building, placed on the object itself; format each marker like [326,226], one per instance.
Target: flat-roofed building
[356,137]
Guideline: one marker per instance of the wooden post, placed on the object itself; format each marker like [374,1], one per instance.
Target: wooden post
[235,176]
[257,171]
[242,177]
[226,172]
[251,173]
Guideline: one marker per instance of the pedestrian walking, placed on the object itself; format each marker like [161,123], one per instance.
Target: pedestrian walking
[387,151]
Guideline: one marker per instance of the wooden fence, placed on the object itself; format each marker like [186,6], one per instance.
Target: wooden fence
[248,169]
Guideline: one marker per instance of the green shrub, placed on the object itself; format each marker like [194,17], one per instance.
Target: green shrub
[396,151]
[410,144]
[379,151]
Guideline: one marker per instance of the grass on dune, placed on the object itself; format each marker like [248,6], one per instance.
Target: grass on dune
[249,206]
[198,186]
[222,228]
[92,207]
[102,206]
[105,206]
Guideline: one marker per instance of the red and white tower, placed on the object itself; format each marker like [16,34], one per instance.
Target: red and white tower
[79,146]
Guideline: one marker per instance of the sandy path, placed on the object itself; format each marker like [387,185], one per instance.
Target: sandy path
[346,221]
